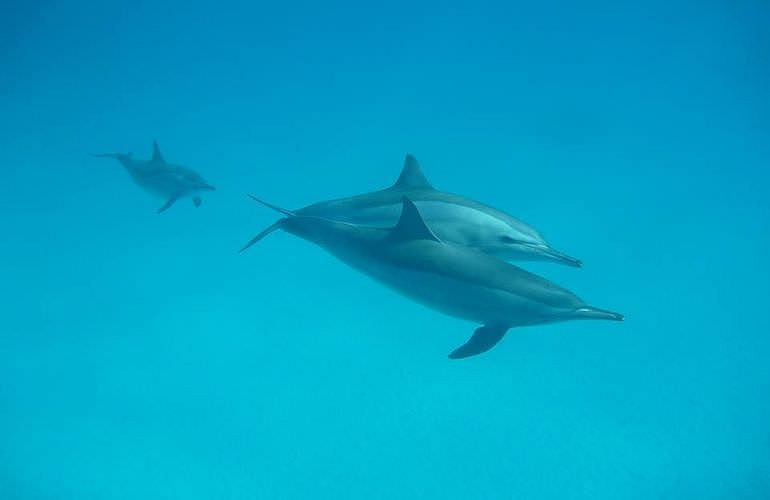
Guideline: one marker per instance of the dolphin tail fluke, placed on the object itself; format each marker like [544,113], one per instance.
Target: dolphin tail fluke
[588,312]
[482,340]
[116,156]
[265,232]
[278,209]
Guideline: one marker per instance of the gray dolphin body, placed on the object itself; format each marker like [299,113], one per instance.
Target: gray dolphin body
[167,180]
[456,280]
[451,217]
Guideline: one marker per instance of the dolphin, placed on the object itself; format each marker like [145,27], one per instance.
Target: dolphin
[456,280]
[167,180]
[453,218]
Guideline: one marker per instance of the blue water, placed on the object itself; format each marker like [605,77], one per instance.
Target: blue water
[142,357]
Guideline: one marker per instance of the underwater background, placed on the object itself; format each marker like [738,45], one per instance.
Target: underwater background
[142,357]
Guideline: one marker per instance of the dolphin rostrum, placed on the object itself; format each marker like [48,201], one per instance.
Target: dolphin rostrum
[458,281]
[161,178]
[453,218]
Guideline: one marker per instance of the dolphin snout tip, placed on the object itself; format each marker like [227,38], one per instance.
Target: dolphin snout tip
[589,312]
[611,315]
[567,259]
[563,257]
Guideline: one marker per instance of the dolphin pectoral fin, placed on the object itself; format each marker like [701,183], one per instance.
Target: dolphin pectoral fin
[482,340]
[197,201]
[168,204]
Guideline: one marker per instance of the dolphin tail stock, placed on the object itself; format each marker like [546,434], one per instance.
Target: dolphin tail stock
[287,213]
[276,225]
[588,312]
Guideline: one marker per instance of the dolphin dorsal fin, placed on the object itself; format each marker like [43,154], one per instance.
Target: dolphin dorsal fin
[411,225]
[411,176]
[156,154]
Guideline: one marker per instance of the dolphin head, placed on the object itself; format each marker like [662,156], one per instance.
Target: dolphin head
[511,243]
[192,181]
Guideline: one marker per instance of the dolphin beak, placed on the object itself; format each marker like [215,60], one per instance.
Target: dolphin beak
[561,257]
[208,187]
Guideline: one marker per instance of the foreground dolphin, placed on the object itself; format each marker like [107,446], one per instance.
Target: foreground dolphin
[452,218]
[163,179]
[453,279]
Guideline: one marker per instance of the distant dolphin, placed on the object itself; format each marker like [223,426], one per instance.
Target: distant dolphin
[452,218]
[163,179]
[453,279]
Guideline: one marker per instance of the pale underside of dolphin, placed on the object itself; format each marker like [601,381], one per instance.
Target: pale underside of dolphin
[453,218]
[456,280]
[163,179]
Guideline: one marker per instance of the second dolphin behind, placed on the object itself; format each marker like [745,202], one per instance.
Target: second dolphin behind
[453,218]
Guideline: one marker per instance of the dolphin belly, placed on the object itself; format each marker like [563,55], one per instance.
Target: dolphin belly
[467,226]
[454,297]
[164,185]
[159,184]
[451,222]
